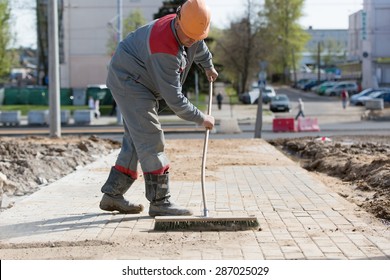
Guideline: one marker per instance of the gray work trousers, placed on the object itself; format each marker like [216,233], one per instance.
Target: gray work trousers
[143,139]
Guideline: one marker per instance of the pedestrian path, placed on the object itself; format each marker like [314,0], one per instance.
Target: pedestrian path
[300,217]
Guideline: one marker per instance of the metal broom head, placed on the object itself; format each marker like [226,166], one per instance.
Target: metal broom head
[186,223]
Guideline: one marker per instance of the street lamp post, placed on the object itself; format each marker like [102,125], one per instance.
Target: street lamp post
[54,73]
[318,61]
[261,83]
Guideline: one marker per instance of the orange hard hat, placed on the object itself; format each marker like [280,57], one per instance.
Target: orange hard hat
[194,19]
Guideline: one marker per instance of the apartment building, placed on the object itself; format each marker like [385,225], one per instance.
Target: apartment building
[368,41]
[87,28]
[330,45]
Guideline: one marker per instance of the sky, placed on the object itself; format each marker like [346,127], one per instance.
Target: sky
[319,14]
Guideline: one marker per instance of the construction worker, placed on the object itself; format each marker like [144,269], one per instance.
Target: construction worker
[152,63]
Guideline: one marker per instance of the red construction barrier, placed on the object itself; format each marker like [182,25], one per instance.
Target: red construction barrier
[308,124]
[283,125]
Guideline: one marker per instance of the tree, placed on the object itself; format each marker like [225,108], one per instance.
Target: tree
[5,38]
[43,40]
[134,20]
[240,47]
[43,36]
[285,33]
[168,7]
[331,53]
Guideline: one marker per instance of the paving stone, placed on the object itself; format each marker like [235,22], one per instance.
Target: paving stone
[300,218]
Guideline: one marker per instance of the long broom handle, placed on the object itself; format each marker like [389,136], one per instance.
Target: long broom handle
[205,147]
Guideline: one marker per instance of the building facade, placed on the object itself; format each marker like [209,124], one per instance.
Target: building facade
[326,48]
[88,26]
[325,42]
[368,41]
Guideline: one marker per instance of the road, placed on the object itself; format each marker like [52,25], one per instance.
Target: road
[333,120]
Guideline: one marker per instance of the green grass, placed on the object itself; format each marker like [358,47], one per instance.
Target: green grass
[202,100]
[104,109]
[232,94]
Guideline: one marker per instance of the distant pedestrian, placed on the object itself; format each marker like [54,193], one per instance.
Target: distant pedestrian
[91,103]
[344,98]
[94,106]
[97,108]
[219,100]
[301,108]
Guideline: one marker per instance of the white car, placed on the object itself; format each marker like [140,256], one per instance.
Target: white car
[268,93]
[336,89]
[252,96]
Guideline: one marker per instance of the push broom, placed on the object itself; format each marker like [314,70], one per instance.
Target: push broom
[205,222]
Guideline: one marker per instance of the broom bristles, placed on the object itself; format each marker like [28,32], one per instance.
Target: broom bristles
[205,224]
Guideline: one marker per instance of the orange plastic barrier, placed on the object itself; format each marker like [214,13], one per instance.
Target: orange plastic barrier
[308,124]
[283,125]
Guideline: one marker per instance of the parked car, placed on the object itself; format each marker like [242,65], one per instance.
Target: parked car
[383,94]
[354,100]
[320,89]
[299,83]
[303,83]
[310,84]
[267,94]
[252,96]
[248,97]
[280,103]
[336,89]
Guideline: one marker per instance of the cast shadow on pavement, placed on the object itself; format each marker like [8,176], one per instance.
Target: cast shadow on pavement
[63,224]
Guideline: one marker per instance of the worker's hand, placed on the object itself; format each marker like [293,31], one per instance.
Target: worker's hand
[209,121]
[211,74]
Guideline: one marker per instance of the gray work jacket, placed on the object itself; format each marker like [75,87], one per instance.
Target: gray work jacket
[153,56]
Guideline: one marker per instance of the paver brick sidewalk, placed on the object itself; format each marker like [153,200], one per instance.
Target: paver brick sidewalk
[300,217]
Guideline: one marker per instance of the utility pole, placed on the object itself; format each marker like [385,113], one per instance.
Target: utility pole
[262,80]
[54,74]
[259,114]
[318,61]
[119,39]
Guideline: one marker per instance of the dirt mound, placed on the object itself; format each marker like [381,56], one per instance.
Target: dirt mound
[363,162]
[28,163]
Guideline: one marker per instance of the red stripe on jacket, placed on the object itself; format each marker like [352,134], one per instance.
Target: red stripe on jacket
[162,39]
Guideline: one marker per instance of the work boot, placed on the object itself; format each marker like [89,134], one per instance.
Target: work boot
[113,200]
[157,192]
